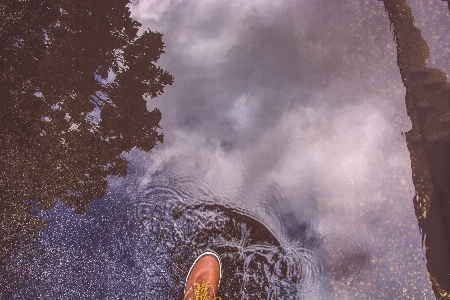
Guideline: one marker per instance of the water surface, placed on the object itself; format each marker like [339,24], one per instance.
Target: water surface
[284,151]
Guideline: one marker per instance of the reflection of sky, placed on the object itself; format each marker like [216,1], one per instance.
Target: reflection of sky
[304,96]
[432,18]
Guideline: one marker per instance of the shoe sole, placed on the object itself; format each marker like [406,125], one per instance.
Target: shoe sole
[210,253]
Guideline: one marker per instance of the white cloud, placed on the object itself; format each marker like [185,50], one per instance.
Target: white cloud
[323,126]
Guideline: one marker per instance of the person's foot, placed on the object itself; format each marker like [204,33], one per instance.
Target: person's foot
[203,279]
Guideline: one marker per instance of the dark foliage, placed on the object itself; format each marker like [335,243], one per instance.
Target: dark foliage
[73,77]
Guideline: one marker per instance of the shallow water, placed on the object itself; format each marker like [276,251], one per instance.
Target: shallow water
[284,151]
[143,243]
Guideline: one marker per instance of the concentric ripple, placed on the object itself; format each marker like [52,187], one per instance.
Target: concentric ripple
[143,244]
[173,226]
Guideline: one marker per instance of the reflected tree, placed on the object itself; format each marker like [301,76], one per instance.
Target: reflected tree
[73,83]
[428,106]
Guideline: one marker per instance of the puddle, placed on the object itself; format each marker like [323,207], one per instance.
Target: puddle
[149,244]
[286,135]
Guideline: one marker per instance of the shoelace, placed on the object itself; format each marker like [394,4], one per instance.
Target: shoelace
[202,291]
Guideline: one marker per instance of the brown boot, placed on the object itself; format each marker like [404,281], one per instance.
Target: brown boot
[203,279]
